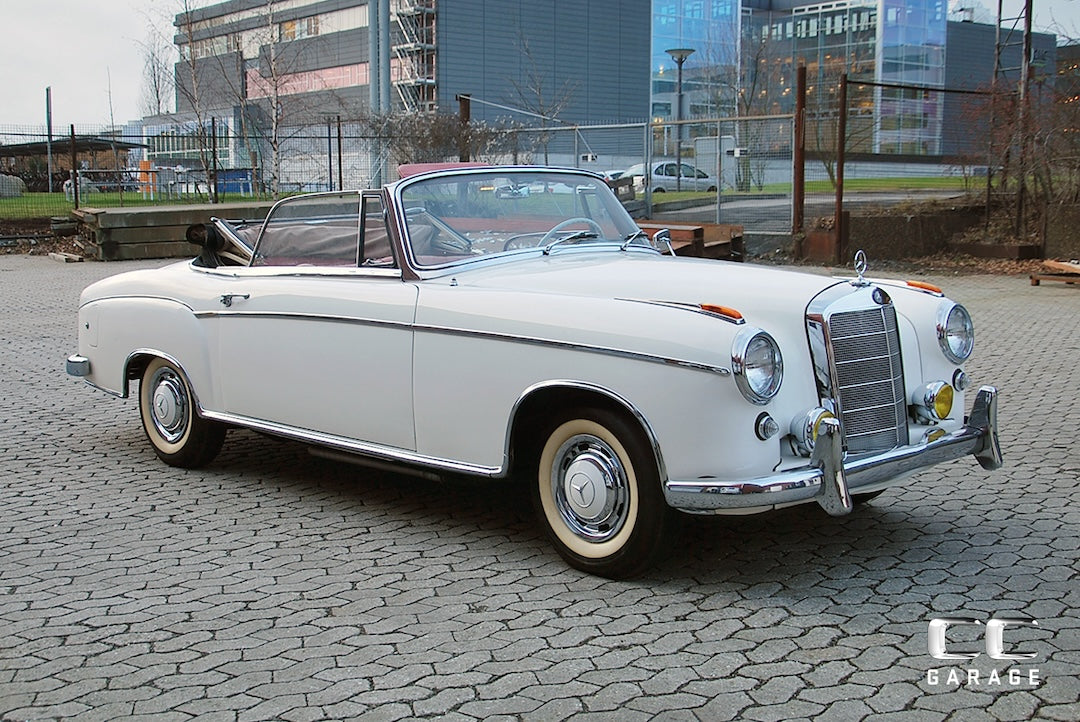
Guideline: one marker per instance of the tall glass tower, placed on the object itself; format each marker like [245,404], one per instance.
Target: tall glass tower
[710,76]
[911,51]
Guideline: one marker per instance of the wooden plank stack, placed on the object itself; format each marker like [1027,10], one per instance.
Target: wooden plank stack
[121,234]
[722,241]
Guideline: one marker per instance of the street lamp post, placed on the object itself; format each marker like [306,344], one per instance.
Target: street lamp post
[679,55]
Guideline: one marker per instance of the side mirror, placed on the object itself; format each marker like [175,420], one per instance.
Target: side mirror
[663,236]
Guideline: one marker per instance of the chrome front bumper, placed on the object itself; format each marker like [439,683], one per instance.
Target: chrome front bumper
[830,480]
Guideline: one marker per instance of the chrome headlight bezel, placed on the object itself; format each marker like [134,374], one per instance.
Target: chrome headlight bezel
[955,332]
[748,363]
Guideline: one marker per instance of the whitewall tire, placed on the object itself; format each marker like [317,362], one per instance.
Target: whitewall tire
[178,435]
[597,492]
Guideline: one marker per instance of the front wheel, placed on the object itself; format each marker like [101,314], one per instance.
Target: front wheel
[178,435]
[597,492]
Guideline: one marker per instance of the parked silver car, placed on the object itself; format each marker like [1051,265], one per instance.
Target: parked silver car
[665,177]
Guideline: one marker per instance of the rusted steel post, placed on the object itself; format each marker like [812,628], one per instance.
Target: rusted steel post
[464,117]
[798,185]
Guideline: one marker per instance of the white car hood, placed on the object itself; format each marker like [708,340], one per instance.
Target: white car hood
[761,293]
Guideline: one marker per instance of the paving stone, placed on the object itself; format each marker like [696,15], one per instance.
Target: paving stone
[274,585]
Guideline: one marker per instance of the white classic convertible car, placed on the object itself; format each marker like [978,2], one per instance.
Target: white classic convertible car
[502,322]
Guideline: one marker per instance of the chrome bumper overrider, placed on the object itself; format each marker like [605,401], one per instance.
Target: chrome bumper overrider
[78,366]
[830,481]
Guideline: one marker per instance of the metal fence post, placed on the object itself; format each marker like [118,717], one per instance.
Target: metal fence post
[74,168]
[646,173]
[798,201]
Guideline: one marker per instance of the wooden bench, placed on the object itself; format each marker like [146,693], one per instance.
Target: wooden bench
[1065,272]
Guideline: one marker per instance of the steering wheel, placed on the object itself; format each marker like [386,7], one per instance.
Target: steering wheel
[514,243]
[550,235]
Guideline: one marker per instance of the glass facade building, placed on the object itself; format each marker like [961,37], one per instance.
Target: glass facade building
[746,55]
[911,51]
[710,74]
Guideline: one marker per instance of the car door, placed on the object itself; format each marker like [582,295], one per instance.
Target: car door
[664,176]
[316,335]
[692,178]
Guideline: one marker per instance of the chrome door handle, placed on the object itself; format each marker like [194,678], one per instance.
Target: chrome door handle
[227,298]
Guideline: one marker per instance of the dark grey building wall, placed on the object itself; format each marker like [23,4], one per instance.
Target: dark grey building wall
[220,83]
[969,56]
[595,54]
[969,64]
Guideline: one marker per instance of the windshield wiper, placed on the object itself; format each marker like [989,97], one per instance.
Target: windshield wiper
[575,236]
[649,241]
[633,237]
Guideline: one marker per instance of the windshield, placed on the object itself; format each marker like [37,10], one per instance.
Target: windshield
[451,218]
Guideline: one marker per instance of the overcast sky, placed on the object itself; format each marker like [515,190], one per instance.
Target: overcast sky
[84,48]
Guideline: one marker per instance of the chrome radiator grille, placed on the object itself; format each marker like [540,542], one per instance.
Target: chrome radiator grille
[869,383]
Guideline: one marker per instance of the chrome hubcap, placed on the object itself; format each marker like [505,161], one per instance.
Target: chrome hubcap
[590,488]
[169,405]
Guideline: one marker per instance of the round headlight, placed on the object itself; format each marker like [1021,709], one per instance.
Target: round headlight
[956,332]
[757,365]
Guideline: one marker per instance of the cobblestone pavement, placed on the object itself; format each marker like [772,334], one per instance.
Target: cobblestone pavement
[273,585]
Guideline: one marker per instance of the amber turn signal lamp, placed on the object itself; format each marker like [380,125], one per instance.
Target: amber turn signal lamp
[926,287]
[724,311]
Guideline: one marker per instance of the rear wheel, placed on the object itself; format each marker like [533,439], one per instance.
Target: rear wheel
[597,492]
[178,435]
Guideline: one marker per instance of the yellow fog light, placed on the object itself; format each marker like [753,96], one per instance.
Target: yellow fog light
[933,402]
[943,401]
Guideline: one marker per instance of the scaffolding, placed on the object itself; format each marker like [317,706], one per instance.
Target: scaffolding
[414,54]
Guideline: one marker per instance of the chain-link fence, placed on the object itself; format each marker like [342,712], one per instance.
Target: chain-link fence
[910,140]
[905,145]
[722,170]
[901,142]
[104,167]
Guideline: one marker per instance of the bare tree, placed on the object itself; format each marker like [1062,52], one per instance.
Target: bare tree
[439,137]
[157,90]
[256,80]
[276,108]
[271,78]
[190,89]
[537,94]
[1037,158]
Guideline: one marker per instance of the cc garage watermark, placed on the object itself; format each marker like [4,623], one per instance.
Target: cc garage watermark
[960,640]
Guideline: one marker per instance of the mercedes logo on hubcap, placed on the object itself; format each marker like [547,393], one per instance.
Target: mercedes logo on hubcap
[581,488]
